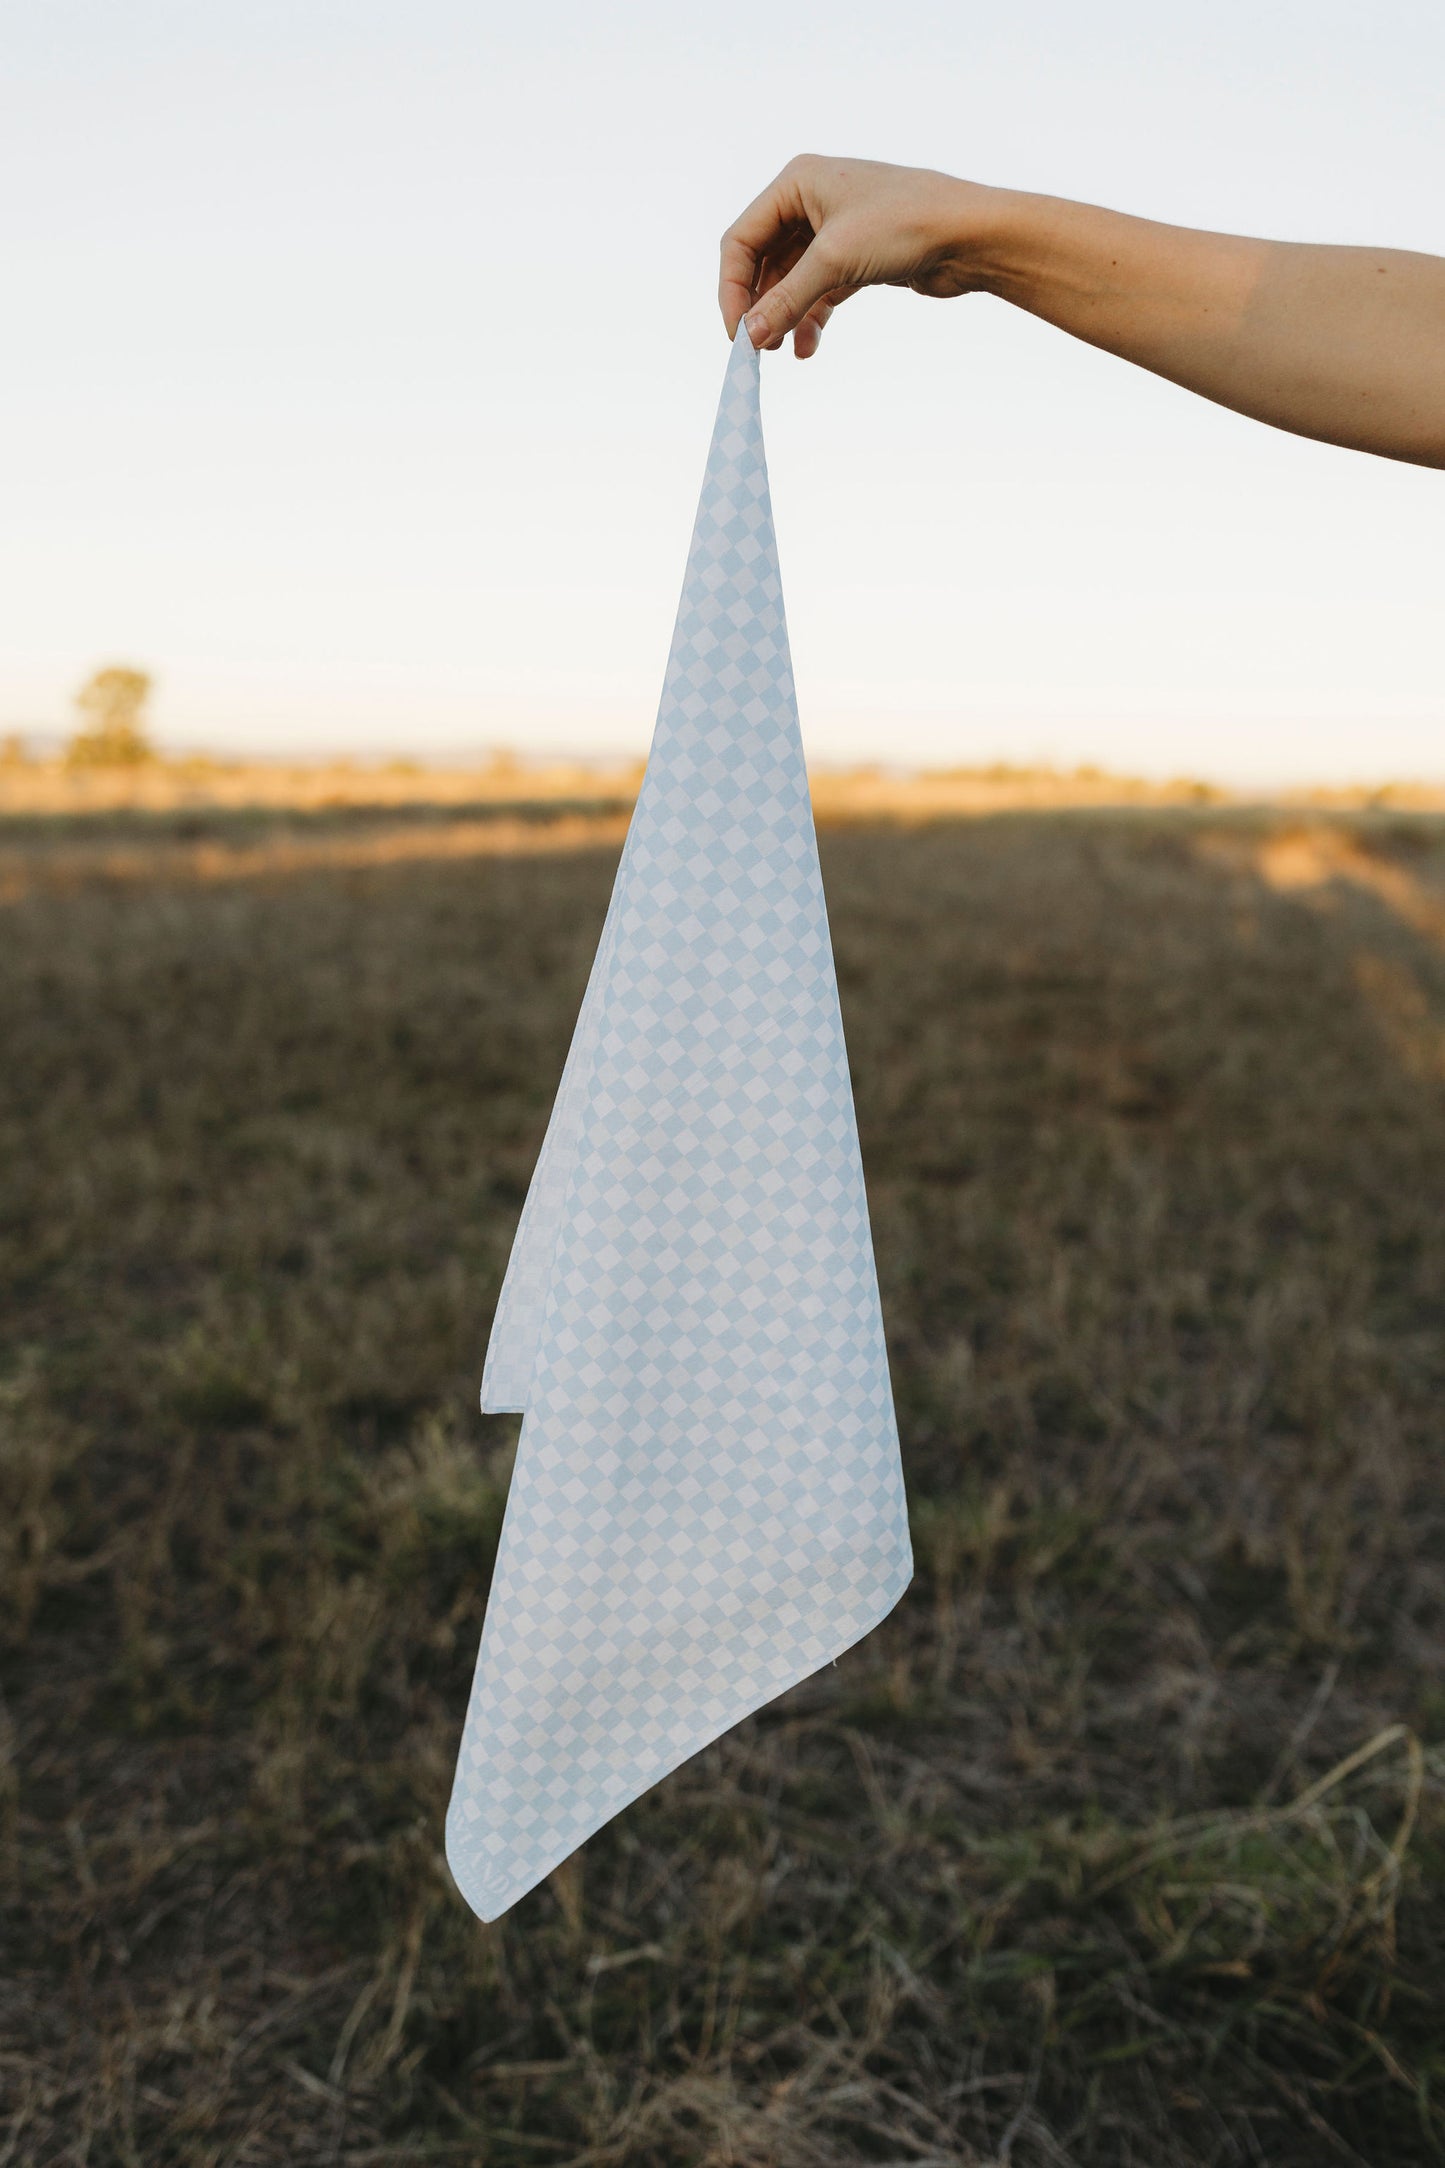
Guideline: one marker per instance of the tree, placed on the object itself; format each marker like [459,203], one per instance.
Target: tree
[112,706]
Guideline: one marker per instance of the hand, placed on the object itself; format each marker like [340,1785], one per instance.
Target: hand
[1339,343]
[828,226]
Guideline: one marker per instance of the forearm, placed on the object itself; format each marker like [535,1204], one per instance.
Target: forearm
[1345,344]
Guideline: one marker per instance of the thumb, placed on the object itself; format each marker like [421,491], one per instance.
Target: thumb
[782,308]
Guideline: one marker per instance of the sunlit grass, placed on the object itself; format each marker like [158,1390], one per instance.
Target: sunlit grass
[1120,1843]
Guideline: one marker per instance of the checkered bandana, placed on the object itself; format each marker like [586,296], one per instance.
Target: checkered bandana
[708,1502]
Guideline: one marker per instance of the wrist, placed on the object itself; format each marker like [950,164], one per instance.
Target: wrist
[1002,238]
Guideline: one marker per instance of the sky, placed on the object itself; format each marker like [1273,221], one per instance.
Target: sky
[361,360]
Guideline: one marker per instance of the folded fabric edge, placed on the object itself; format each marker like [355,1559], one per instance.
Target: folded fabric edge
[517,1320]
[489,1901]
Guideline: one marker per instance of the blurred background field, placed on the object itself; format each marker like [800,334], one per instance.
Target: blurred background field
[1119,1844]
[54,784]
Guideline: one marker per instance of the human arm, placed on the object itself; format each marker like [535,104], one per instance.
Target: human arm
[1341,343]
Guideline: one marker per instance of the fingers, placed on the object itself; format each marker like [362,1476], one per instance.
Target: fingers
[780,269]
[808,334]
[735,282]
[761,231]
[783,307]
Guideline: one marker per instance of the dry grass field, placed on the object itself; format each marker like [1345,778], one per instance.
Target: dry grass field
[1120,1845]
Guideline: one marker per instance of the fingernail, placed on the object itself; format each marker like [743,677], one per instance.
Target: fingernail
[757,326]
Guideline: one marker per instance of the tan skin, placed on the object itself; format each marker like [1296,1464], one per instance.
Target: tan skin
[1343,344]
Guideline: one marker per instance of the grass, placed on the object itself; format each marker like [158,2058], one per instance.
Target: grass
[1120,1845]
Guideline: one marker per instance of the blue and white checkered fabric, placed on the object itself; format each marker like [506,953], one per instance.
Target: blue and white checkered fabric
[708,1502]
